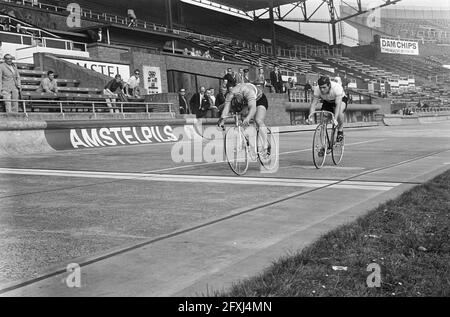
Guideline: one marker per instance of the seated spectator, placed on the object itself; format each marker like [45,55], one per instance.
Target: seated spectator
[184,105]
[132,86]
[207,55]
[113,89]
[193,52]
[132,17]
[186,52]
[49,84]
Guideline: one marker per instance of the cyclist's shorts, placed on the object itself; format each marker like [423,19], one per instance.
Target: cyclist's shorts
[330,106]
[262,101]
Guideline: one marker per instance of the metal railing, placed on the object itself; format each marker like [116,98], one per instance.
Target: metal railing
[95,107]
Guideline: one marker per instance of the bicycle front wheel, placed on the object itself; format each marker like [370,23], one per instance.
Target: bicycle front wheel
[320,145]
[337,151]
[236,150]
[267,149]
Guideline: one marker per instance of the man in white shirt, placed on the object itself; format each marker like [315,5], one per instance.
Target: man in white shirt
[132,86]
[333,99]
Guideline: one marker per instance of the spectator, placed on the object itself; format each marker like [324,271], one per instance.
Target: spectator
[132,17]
[100,35]
[240,76]
[207,55]
[230,79]
[289,85]
[212,94]
[193,52]
[234,75]
[212,103]
[220,100]
[113,89]
[246,74]
[197,101]
[49,84]
[261,77]
[132,86]
[307,88]
[10,84]
[186,52]
[184,106]
[276,80]
[198,53]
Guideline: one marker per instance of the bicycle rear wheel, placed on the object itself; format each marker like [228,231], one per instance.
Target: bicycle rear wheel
[267,149]
[236,150]
[320,145]
[338,149]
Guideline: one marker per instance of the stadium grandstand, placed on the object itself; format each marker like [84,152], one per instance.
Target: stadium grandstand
[105,110]
[102,40]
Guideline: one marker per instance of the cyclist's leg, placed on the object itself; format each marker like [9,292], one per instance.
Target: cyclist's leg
[330,107]
[340,117]
[261,109]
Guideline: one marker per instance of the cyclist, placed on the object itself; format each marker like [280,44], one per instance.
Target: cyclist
[251,96]
[333,99]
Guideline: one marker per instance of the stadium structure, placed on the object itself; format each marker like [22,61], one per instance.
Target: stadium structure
[383,82]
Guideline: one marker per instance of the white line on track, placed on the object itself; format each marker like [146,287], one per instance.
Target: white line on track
[285,182]
[283,153]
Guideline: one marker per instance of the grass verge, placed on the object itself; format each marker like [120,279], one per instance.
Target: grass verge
[408,238]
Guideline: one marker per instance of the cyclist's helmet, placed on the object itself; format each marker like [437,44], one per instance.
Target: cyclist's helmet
[324,80]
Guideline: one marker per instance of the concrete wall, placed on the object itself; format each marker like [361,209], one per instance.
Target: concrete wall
[66,70]
[111,53]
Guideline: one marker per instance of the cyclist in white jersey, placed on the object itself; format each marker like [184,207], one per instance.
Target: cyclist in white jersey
[333,99]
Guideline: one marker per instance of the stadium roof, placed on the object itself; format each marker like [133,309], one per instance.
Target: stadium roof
[250,5]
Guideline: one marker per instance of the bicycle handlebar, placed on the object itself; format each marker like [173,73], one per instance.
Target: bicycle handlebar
[322,112]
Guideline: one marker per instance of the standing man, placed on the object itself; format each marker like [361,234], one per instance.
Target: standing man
[10,84]
[230,79]
[184,106]
[196,102]
[240,77]
[308,88]
[276,80]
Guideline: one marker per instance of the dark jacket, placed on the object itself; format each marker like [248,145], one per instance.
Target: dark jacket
[184,106]
[199,107]
[231,81]
[274,79]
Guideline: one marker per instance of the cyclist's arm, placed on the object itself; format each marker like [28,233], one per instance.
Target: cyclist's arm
[226,108]
[337,109]
[251,109]
[313,104]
